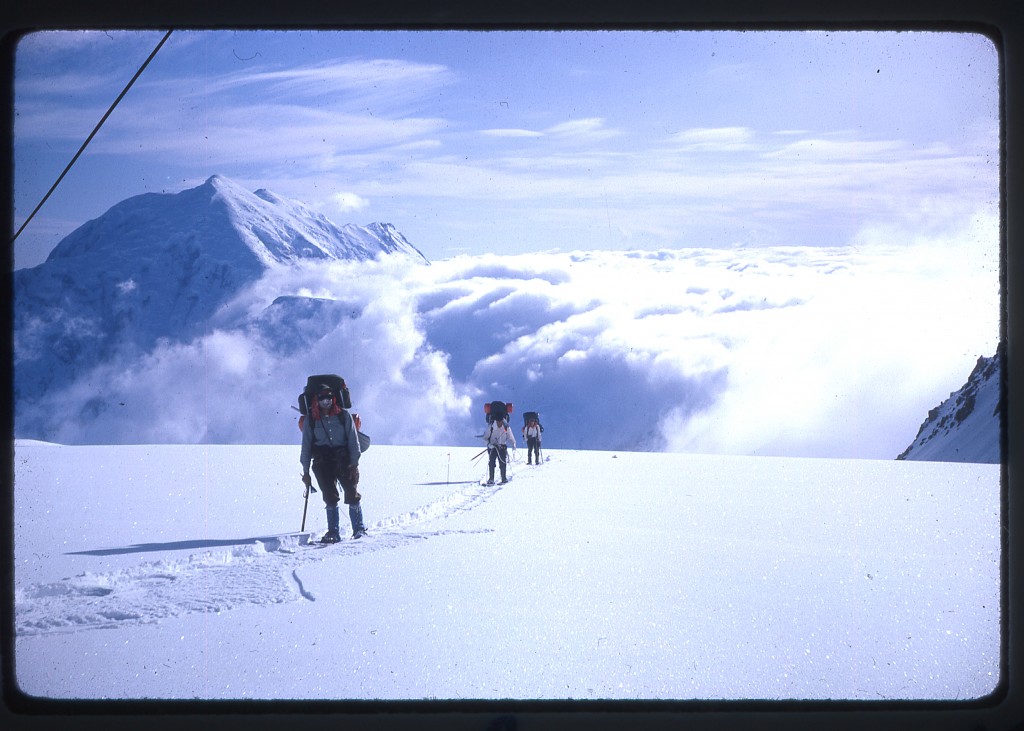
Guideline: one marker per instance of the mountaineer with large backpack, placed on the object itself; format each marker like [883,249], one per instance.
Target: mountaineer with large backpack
[497,436]
[330,441]
[532,429]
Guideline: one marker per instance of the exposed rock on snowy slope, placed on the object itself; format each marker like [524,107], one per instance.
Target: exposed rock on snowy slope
[966,427]
[158,266]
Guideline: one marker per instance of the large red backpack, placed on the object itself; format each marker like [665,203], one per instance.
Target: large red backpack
[497,410]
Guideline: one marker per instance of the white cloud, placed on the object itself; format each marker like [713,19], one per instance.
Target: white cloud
[589,129]
[784,351]
[823,149]
[388,82]
[510,133]
[348,202]
[714,138]
[283,135]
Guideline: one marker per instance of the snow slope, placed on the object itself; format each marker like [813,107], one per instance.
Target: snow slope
[966,426]
[179,572]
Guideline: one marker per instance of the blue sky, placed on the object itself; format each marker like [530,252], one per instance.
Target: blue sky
[473,142]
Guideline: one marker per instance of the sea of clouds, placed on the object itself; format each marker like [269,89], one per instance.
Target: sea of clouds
[799,351]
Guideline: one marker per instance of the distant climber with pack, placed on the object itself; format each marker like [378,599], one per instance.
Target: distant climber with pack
[498,436]
[331,442]
[532,429]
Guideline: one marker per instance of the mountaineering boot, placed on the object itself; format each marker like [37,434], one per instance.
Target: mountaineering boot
[332,535]
[355,514]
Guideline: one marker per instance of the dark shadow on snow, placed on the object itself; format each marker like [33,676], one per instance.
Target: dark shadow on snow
[180,545]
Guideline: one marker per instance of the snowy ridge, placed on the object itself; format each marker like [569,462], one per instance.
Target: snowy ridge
[260,572]
[219,216]
[966,426]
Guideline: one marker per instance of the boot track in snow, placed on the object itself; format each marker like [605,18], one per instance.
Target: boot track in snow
[263,571]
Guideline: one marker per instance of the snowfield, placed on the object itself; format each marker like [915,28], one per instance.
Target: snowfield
[178,572]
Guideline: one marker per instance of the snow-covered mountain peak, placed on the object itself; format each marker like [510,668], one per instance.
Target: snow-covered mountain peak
[223,220]
[219,181]
[158,266]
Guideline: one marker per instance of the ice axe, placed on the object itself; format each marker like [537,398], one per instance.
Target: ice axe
[309,488]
